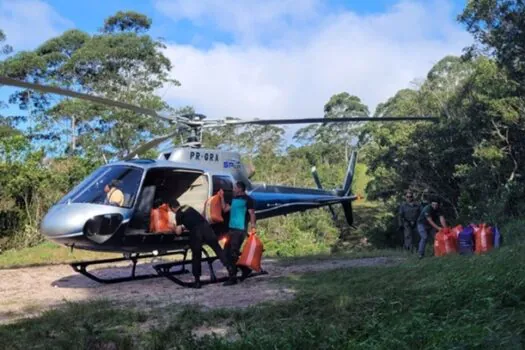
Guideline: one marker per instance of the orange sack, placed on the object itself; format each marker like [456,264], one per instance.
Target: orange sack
[213,209]
[445,242]
[456,230]
[252,253]
[483,237]
[159,220]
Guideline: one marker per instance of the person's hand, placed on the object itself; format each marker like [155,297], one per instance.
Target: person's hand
[178,230]
[221,193]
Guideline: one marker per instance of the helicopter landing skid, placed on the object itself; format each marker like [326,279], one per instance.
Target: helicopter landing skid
[81,267]
[164,270]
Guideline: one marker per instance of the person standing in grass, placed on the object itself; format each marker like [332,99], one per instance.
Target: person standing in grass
[426,223]
[408,216]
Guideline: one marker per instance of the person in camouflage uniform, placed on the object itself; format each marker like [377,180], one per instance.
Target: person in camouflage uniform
[408,215]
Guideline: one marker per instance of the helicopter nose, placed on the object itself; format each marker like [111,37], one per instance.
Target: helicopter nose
[69,219]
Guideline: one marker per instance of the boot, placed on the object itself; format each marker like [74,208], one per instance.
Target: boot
[197,283]
[246,272]
[232,272]
[231,281]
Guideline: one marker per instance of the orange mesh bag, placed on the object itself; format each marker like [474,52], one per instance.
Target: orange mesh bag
[252,253]
[213,209]
[456,230]
[160,219]
[438,244]
[450,242]
[445,242]
[484,240]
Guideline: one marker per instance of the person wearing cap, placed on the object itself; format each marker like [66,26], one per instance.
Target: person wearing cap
[200,233]
[427,223]
[114,195]
[407,218]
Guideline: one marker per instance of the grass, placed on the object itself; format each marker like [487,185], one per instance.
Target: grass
[453,302]
[47,253]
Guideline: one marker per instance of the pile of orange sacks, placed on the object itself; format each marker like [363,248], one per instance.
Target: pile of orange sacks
[483,239]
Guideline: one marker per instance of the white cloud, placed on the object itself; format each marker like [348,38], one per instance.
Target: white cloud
[28,23]
[248,19]
[370,56]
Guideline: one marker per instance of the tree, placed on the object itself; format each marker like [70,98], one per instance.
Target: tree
[4,48]
[333,141]
[127,21]
[120,63]
[498,27]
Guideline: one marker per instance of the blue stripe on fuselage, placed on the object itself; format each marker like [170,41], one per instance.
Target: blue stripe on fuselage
[264,200]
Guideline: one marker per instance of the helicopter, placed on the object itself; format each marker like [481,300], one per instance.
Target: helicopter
[82,219]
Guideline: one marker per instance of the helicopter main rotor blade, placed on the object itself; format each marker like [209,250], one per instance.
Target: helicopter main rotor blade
[101,100]
[210,123]
[150,144]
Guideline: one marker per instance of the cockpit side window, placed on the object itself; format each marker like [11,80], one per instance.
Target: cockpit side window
[112,185]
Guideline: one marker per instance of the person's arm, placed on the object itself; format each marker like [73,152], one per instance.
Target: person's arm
[400,216]
[251,211]
[178,228]
[432,223]
[225,206]
[443,222]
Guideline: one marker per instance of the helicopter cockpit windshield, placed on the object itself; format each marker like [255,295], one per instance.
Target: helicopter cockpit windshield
[111,185]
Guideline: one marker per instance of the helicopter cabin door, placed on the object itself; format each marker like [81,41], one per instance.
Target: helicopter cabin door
[189,187]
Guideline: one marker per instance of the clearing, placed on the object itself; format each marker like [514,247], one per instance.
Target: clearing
[454,302]
[29,291]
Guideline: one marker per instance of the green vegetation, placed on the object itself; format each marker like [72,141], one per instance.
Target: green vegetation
[47,253]
[454,302]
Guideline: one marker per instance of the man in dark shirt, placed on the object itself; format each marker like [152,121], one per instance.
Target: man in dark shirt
[200,232]
[242,211]
[408,215]
[426,223]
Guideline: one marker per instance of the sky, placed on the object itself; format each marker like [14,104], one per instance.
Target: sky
[268,58]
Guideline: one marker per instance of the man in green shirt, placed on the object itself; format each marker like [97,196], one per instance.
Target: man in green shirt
[426,223]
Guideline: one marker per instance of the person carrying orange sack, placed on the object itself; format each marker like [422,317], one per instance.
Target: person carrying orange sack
[426,223]
[242,212]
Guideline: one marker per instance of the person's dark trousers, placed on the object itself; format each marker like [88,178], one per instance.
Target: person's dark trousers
[232,248]
[410,233]
[204,234]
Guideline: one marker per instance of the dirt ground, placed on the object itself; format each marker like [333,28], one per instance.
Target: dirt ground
[26,292]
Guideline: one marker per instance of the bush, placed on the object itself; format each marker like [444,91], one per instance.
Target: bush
[513,232]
